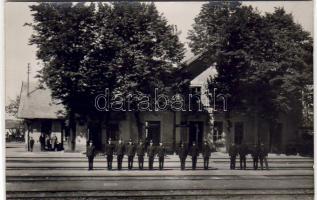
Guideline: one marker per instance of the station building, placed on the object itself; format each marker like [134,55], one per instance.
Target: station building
[42,115]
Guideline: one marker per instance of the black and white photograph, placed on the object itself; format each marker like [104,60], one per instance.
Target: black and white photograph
[159,100]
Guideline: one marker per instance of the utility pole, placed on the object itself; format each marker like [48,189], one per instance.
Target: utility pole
[28,81]
[28,91]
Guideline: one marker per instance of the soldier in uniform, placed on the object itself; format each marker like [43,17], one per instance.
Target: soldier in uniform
[233,154]
[161,153]
[182,153]
[90,155]
[262,156]
[151,154]
[194,152]
[130,154]
[140,151]
[206,154]
[243,152]
[120,153]
[255,156]
[109,153]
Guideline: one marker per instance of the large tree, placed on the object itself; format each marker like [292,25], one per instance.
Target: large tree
[147,50]
[126,47]
[208,30]
[63,34]
[263,62]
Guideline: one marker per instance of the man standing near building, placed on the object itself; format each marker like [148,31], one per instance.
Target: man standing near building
[140,153]
[262,155]
[255,156]
[130,154]
[243,152]
[120,153]
[233,154]
[54,142]
[151,154]
[90,155]
[42,141]
[161,154]
[48,142]
[109,153]
[182,153]
[206,154]
[194,152]
[31,144]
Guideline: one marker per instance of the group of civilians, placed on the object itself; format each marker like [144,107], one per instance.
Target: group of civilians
[47,143]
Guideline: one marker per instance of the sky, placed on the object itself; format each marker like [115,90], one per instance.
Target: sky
[18,53]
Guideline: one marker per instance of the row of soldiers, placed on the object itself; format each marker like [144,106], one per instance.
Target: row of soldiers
[258,152]
[131,150]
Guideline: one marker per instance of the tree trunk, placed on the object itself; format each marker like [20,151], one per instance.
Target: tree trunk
[256,131]
[62,134]
[139,124]
[272,128]
[106,119]
[256,116]
[229,125]
[72,131]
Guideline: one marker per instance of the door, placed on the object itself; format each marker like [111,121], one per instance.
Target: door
[275,138]
[238,132]
[95,135]
[153,132]
[113,132]
[196,130]
[218,130]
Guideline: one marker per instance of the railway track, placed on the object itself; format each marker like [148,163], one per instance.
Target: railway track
[168,194]
[56,176]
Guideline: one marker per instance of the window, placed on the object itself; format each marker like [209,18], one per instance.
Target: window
[196,90]
[196,130]
[195,98]
[113,132]
[153,131]
[218,129]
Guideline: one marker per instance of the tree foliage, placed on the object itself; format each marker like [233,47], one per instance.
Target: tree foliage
[126,47]
[63,34]
[263,61]
[208,30]
[13,106]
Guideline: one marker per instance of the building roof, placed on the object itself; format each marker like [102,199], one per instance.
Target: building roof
[38,104]
[197,64]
